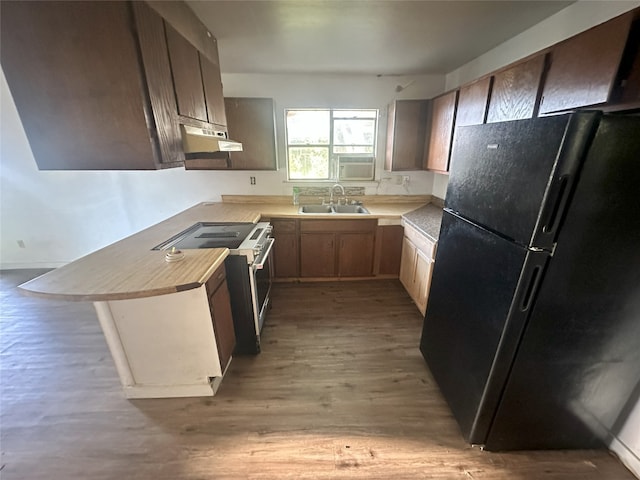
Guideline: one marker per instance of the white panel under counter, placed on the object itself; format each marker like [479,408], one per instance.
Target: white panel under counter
[421,232]
[163,346]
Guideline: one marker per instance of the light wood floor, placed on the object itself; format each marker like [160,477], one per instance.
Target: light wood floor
[340,391]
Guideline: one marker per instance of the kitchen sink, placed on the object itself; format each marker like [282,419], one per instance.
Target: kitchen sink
[315,209]
[334,209]
[349,209]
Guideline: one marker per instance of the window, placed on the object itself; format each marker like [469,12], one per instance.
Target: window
[321,143]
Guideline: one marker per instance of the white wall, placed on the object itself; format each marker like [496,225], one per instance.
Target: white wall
[63,215]
[349,91]
[568,22]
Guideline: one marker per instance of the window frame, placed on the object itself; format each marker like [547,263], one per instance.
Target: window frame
[334,158]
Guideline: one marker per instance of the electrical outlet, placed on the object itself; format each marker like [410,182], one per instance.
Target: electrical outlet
[252,180]
[405,180]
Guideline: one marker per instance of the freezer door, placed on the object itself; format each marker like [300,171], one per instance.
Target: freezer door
[480,293]
[514,177]
[576,377]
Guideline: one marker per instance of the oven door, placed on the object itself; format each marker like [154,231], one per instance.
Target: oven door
[262,273]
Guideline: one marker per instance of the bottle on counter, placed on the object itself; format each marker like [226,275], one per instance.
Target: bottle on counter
[296,195]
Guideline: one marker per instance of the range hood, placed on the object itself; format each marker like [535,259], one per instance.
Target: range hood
[202,140]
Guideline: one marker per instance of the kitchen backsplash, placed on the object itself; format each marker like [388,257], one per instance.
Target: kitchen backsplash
[326,191]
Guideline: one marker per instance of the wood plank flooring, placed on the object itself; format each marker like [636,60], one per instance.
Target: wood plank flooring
[340,391]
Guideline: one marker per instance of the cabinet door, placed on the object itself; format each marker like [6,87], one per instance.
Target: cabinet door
[388,249]
[157,69]
[72,71]
[285,250]
[583,68]
[213,92]
[285,255]
[251,121]
[473,101]
[355,257]
[408,266]
[441,135]
[187,78]
[317,255]
[406,129]
[516,91]
[220,305]
[422,280]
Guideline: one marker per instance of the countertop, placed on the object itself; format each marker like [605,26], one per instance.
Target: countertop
[426,219]
[130,268]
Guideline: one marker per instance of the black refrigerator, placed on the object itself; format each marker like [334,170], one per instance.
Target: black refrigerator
[532,328]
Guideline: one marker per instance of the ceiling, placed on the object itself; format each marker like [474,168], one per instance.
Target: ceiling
[382,37]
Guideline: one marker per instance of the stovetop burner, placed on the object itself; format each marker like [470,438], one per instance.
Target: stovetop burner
[209,235]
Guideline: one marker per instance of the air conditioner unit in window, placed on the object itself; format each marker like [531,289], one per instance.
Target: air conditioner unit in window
[356,168]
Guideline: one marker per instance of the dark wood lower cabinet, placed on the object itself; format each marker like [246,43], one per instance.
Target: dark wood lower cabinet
[221,316]
[337,248]
[318,254]
[343,248]
[355,255]
[388,250]
[285,249]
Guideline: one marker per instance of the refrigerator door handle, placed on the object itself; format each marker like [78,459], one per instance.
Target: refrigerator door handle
[560,195]
[532,286]
[577,138]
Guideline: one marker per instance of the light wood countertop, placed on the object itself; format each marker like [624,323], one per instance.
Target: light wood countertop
[130,268]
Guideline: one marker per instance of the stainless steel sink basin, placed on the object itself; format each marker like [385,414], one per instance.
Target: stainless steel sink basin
[315,209]
[349,209]
[334,209]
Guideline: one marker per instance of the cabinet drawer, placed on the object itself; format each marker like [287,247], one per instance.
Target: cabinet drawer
[283,226]
[338,225]
[422,243]
[216,279]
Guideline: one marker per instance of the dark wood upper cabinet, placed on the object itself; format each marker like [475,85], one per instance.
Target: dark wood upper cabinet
[443,115]
[251,121]
[74,75]
[584,68]
[516,91]
[213,92]
[406,127]
[628,83]
[187,77]
[473,101]
[93,81]
[155,61]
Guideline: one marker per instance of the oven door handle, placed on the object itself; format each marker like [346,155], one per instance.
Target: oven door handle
[258,263]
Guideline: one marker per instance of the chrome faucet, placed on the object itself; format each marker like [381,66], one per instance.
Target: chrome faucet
[331,192]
